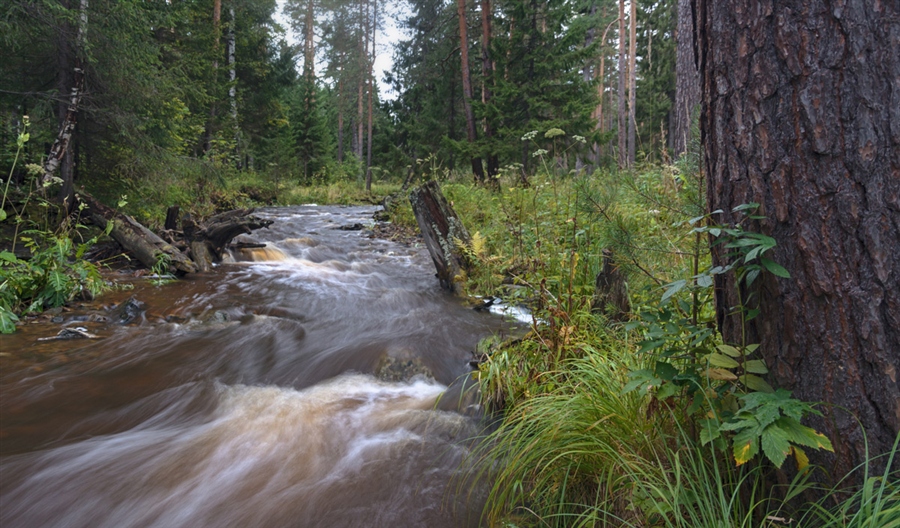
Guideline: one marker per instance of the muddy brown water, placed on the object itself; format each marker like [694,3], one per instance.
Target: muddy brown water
[249,397]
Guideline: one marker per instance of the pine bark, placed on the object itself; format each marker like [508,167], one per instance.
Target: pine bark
[487,79]
[371,78]
[443,232]
[471,133]
[687,78]
[623,74]
[801,114]
[632,82]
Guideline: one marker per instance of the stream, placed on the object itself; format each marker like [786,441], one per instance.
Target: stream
[313,382]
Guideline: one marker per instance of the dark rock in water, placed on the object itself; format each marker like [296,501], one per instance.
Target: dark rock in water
[381,216]
[351,227]
[128,311]
[400,369]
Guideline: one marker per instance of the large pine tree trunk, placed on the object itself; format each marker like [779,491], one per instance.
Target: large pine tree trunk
[632,83]
[801,113]
[623,74]
[471,134]
[687,78]
[487,73]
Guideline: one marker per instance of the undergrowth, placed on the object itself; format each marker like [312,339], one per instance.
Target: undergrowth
[656,422]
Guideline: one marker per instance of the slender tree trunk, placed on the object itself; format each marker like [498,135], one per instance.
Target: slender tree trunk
[687,78]
[371,90]
[487,74]
[232,86]
[360,80]
[471,133]
[632,82]
[623,75]
[340,109]
[217,32]
[801,114]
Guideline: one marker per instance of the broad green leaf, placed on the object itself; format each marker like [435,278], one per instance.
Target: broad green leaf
[673,288]
[745,446]
[2,215]
[730,350]
[720,374]
[709,431]
[7,321]
[756,383]
[8,256]
[665,371]
[756,366]
[667,390]
[775,444]
[805,436]
[775,268]
[647,346]
[721,360]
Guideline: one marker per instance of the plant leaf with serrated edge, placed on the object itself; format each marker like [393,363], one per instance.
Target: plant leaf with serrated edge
[720,374]
[805,436]
[745,446]
[775,268]
[775,444]
[756,366]
[709,431]
[802,459]
[721,360]
[730,350]
[756,383]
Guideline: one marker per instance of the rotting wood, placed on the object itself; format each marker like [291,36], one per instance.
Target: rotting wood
[204,243]
[145,245]
[610,290]
[444,233]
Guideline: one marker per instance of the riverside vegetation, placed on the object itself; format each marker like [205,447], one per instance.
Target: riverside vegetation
[653,421]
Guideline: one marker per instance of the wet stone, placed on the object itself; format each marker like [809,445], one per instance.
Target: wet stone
[397,369]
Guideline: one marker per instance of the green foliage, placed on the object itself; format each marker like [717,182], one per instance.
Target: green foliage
[56,272]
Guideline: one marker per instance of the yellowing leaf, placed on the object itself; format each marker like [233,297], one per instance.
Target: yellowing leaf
[756,366]
[730,350]
[743,453]
[720,374]
[802,459]
[721,360]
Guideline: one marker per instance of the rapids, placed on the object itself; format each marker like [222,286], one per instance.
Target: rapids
[254,395]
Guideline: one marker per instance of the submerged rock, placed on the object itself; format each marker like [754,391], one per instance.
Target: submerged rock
[396,369]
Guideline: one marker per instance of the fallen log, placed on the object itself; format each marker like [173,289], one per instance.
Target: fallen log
[145,245]
[204,243]
[444,235]
[207,241]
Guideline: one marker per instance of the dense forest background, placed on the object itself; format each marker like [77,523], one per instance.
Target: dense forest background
[186,86]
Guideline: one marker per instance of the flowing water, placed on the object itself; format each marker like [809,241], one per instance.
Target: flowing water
[305,384]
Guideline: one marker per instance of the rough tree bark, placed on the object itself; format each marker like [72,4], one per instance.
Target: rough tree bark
[623,74]
[801,114]
[632,82]
[471,134]
[442,231]
[371,82]
[687,78]
[145,245]
[487,80]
